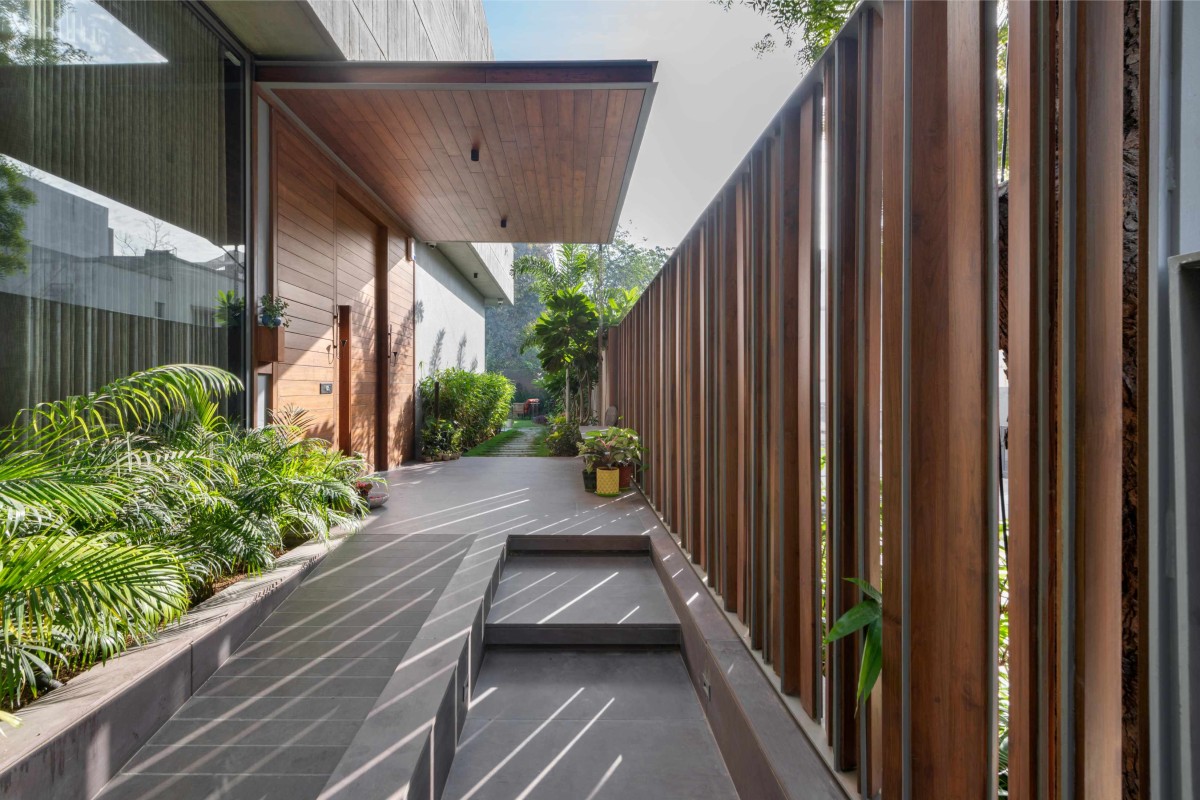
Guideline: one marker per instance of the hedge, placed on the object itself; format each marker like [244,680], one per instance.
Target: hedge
[478,401]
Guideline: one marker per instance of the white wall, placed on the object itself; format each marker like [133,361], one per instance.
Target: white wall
[449,311]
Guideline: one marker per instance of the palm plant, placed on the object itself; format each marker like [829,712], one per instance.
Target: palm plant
[70,599]
[574,267]
[119,507]
[564,334]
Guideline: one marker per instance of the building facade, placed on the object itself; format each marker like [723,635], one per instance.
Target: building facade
[154,186]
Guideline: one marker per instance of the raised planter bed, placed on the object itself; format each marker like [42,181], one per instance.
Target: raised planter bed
[76,738]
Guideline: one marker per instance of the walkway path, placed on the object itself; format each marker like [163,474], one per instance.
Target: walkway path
[516,443]
[279,718]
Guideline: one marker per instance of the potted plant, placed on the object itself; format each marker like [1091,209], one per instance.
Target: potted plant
[268,334]
[600,452]
[627,451]
[272,312]
[594,450]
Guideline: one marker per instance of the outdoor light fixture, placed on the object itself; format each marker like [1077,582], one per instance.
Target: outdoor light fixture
[475,153]
[504,222]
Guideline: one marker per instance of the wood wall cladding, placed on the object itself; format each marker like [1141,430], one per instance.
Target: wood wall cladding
[909,432]
[552,162]
[333,246]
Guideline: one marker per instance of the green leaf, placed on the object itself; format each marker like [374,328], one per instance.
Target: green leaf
[856,618]
[872,660]
[867,589]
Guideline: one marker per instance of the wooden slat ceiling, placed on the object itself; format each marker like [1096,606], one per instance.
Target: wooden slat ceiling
[557,142]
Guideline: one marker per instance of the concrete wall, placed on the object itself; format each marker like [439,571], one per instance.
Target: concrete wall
[450,327]
[407,30]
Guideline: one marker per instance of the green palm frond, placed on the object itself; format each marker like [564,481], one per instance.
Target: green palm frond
[79,588]
[125,404]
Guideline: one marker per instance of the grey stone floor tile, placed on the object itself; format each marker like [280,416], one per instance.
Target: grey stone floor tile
[335,633]
[359,667]
[341,602]
[576,588]
[410,616]
[213,787]
[334,596]
[396,648]
[252,708]
[280,732]
[499,759]
[239,758]
[328,686]
[530,684]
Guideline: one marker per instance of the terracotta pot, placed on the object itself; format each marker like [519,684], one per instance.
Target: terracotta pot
[626,475]
[608,482]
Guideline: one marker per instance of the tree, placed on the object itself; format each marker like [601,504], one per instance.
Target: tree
[15,197]
[28,44]
[813,22]
[611,275]
[564,335]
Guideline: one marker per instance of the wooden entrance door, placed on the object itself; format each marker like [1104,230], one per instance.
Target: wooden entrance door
[357,264]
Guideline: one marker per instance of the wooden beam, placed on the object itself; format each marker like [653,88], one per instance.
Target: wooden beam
[534,74]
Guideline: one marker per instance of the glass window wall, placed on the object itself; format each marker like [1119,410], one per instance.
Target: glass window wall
[122,234]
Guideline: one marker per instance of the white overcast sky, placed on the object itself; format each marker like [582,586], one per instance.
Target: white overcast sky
[714,97]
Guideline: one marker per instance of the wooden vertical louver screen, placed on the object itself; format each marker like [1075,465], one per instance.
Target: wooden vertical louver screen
[817,367]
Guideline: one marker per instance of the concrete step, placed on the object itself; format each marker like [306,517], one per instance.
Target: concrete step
[579,600]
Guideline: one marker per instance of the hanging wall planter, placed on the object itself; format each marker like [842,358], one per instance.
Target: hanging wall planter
[268,333]
[268,344]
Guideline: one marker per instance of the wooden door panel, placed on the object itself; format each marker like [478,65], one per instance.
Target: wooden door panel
[355,254]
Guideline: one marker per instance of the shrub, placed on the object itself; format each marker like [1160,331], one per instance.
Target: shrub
[440,437]
[478,401]
[121,507]
[564,437]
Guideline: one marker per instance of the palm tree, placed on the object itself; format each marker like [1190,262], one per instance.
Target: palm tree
[564,334]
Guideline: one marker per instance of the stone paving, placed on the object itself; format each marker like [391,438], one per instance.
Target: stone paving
[277,720]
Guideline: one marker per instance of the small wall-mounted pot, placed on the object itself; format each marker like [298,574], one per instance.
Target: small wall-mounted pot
[268,344]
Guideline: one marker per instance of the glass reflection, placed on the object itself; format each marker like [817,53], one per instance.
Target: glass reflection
[122,243]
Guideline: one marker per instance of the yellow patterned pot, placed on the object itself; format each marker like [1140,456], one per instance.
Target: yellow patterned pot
[608,482]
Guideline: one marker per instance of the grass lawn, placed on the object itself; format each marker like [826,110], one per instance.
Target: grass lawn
[495,445]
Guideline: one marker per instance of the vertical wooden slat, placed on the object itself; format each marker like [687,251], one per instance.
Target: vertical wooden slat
[870,323]
[699,300]
[1032,331]
[939,318]
[843,387]
[730,401]
[756,599]
[1092,325]
[743,399]
[773,451]
[791,315]
[806,314]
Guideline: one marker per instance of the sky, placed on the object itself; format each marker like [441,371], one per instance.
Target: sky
[715,96]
